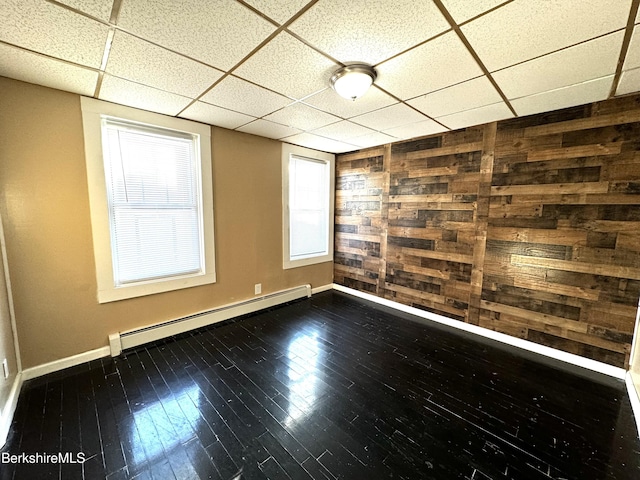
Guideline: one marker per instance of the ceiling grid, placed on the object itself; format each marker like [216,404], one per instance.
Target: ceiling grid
[263,66]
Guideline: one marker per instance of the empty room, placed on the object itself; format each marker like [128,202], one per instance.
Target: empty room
[326,239]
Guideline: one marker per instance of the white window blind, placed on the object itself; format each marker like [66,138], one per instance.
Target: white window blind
[154,199]
[308,207]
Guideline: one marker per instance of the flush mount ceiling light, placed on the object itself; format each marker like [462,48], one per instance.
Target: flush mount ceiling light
[353,81]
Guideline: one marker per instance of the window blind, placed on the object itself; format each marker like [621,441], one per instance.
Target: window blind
[152,177]
[308,207]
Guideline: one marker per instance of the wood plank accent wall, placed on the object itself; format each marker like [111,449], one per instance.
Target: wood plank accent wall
[360,191]
[530,227]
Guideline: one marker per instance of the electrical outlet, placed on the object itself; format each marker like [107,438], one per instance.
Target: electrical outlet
[5,368]
[258,288]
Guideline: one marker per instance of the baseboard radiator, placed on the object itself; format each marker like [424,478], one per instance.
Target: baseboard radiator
[132,338]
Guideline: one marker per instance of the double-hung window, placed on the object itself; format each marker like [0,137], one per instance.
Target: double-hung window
[155,216]
[308,206]
[151,201]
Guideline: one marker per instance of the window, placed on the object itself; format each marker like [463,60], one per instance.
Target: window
[308,206]
[150,191]
[153,195]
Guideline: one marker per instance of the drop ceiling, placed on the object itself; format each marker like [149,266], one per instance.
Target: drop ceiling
[263,66]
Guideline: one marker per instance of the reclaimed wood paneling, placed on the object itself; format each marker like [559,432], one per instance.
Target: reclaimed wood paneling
[530,226]
[564,203]
[425,224]
[360,185]
[432,211]
[482,222]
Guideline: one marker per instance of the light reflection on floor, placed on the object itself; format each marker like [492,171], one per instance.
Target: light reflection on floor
[158,428]
[303,357]
[161,426]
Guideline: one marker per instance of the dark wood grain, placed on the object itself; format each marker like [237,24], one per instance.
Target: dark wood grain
[324,388]
[359,221]
[546,205]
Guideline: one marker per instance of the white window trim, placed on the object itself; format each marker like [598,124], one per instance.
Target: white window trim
[92,111]
[287,151]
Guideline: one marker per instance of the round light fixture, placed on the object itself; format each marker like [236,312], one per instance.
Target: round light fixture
[353,81]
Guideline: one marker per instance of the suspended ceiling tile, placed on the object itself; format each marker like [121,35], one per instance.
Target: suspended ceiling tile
[33,68]
[629,82]
[132,94]
[289,67]
[302,116]
[632,60]
[389,117]
[145,63]
[53,30]
[463,10]
[278,10]
[463,96]
[343,131]
[329,101]
[373,140]
[220,35]
[371,31]
[323,144]
[268,129]
[439,63]
[220,117]
[242,96]
[100,9]
[477,116]
[418,129]
[577,64]
[523,30]
[587,92]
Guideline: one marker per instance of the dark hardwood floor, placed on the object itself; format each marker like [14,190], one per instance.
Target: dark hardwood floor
[329,387]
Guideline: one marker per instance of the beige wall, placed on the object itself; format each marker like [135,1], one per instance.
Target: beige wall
[7,348]
[44,202]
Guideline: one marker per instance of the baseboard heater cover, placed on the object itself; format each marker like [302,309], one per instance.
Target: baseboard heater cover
[133,338]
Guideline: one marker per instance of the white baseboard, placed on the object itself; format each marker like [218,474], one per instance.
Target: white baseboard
[322,288]
[63,363]
[84,357]
[577,360]
[7,411]
[619,373]
[634,398]
[554,353]
[9,408]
